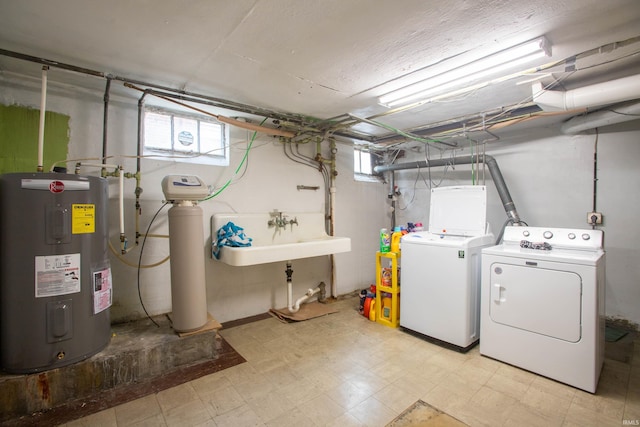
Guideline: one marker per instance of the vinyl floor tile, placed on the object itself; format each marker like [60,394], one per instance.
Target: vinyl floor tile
[343,370]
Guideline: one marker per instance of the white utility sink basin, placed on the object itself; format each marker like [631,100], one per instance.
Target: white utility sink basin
[278,243]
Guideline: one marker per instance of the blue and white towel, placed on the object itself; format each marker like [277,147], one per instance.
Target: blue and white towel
[229,235]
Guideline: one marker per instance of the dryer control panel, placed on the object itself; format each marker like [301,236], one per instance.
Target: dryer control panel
[566,238]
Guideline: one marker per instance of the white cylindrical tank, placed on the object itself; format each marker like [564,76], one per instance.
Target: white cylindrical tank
[186,245]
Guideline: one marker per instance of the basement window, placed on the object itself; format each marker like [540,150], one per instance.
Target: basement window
[185,138]
[363,163]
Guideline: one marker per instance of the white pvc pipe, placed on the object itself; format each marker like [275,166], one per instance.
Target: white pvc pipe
[295,307]
[120,196]
[121,199]
[620,114]
[611,92]
[43,110]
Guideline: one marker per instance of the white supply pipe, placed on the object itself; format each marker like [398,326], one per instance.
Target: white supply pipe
[123,239]
[43,110]
[295,307]
[120,169]
[624,89]
[309,294]
[616,114]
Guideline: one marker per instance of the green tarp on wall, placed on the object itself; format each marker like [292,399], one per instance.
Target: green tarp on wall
[19,138]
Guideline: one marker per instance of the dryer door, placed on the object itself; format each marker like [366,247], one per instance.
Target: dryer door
[539,300]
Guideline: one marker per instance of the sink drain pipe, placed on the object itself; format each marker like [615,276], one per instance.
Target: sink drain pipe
[295,307]
[489,161]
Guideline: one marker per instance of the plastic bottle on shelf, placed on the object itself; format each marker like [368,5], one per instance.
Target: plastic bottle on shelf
[385,240]
[386,306]
[418,227]
[372,310]
[395,240]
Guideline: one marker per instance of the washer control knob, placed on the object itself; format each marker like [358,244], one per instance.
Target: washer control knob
[525,233]
[586,236]
[572,236]
[547,234]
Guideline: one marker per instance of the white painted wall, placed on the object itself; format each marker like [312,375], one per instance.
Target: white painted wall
[549,175]
[550,178]
[269,183]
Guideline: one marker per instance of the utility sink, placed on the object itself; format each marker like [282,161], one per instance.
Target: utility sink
[273,240]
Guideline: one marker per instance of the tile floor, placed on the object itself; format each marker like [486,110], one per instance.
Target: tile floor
[343,370]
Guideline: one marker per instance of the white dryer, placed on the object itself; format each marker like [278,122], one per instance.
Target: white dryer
[543,303]
[440,289]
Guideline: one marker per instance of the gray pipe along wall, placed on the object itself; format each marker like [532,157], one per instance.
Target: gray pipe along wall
[492,165]
[55,278]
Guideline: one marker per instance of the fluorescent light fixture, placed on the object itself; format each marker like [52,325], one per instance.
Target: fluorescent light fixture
[464,74]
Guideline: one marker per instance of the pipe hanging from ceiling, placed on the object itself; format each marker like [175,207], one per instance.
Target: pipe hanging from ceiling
[223,103]
[609,116]
[223,119]
[489,161]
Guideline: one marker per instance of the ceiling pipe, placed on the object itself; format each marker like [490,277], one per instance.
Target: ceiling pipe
[609,116]
[611,92]
[489,161]
[224,103]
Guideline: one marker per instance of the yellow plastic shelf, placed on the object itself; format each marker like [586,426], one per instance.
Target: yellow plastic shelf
[394,290]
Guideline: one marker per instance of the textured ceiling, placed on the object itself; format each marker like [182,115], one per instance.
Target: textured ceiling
[317,58]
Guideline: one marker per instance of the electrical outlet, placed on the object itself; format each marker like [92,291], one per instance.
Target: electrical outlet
[594,218]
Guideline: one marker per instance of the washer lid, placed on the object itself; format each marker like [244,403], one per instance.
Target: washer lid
[459,210]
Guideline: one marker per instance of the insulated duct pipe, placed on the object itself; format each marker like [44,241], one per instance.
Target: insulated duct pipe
[624,89]
[610,116]
[489,161]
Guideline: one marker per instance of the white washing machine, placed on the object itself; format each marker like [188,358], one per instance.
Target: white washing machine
[440,289]
[543,303]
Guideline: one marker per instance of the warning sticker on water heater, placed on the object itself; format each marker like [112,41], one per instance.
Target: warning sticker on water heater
[83,218]
[57,275]
[101,290]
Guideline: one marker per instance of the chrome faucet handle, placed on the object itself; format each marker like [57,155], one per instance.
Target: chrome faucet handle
[294,221]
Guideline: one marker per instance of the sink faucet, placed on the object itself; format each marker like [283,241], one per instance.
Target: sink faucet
[279,220]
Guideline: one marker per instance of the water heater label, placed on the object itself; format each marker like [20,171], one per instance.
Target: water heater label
[83,218]
[57,275]
[102,293]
